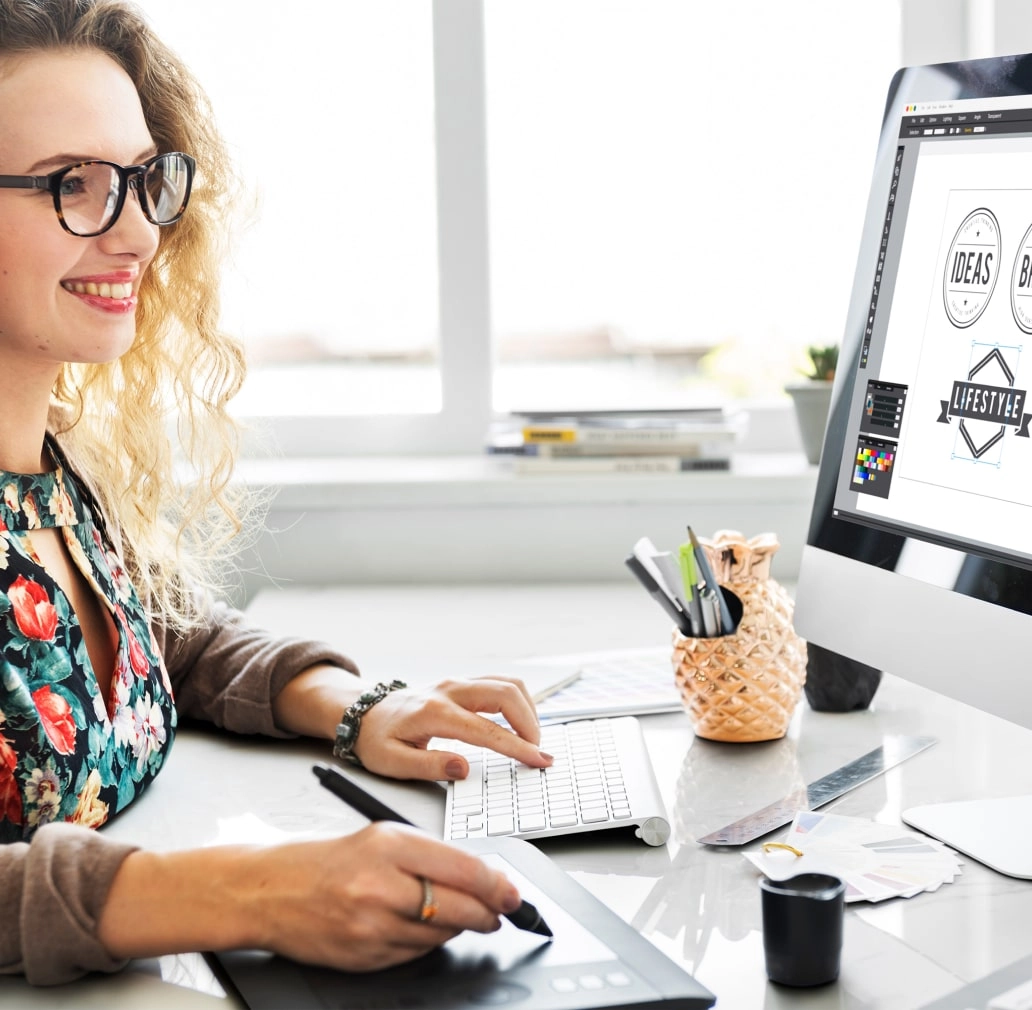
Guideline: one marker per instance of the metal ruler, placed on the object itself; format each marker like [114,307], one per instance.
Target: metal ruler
[893,751]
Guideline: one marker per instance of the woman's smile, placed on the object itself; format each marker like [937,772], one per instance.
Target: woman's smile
[111,292]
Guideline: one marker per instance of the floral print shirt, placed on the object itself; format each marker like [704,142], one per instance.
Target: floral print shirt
[66,752]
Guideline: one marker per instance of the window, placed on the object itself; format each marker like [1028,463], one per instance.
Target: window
[673,180]
[330,115]
[627,197]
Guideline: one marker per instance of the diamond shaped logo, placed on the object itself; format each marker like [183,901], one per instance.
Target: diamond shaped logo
[987,402]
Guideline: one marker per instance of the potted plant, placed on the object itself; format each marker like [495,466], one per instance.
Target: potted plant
[812,398]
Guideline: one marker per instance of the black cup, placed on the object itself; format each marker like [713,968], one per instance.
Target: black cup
[836,683]
[802,928]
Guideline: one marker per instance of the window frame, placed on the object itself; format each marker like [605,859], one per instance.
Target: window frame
[465,356]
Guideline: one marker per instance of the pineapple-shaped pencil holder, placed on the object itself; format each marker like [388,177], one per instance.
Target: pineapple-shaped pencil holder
[744,686]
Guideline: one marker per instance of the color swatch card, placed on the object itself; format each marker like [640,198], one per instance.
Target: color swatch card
[876,861]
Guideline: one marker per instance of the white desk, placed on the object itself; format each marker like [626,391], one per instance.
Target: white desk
[700,906]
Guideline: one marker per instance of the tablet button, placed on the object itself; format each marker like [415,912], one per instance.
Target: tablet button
[564,985]
[496,995]
[591,982]
[618,978]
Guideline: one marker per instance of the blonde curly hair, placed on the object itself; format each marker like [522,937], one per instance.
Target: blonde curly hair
[172,497]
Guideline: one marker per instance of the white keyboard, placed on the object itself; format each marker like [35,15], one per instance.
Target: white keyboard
[601,778]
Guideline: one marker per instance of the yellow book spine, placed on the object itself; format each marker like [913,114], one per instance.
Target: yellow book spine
[549,436]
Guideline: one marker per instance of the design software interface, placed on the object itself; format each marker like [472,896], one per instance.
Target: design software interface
[938,439]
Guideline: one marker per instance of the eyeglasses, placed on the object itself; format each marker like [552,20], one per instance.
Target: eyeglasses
[88,197]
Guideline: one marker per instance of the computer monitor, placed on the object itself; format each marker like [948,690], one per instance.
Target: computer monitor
[918,558]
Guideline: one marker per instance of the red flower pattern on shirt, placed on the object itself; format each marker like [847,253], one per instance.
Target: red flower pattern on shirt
[10,795]
[33,612]
[56,716]
[137,657]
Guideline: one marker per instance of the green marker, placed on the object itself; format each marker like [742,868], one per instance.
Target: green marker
[686,556]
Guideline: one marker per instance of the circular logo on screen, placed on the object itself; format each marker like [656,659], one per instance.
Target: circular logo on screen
[971,267]
[1021,284]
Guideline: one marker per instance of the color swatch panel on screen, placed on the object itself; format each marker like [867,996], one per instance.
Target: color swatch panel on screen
[873,465]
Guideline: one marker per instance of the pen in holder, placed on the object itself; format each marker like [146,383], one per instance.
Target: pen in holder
[743,686]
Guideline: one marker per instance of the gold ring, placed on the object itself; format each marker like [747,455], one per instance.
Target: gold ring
[429,910]
[767,846]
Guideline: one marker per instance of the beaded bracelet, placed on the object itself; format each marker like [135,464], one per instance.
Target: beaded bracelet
[351,720]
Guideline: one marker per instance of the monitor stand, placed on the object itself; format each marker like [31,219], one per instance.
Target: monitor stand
[994,832]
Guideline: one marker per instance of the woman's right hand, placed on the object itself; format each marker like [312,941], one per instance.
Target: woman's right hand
[360,909]
[351,903]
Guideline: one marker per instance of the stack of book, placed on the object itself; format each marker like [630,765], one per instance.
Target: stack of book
[618,441]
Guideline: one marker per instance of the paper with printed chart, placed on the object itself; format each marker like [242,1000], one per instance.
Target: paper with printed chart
[876,861]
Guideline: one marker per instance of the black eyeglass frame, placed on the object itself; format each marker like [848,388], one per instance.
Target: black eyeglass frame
[129,176]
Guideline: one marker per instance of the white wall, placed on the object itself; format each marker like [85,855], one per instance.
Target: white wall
[468,520]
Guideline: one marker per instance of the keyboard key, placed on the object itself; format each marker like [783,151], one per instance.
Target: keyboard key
[469,788]
[500,825]
[563,819]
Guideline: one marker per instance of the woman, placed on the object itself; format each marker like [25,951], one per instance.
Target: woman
[107,331]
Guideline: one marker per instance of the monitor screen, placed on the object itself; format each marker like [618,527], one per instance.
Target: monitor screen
[919,554]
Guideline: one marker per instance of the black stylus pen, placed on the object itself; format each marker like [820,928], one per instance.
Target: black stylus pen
[525,917]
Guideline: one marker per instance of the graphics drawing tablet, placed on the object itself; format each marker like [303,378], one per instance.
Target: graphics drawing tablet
[595,960]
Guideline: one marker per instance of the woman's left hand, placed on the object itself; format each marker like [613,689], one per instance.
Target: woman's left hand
[395,732]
